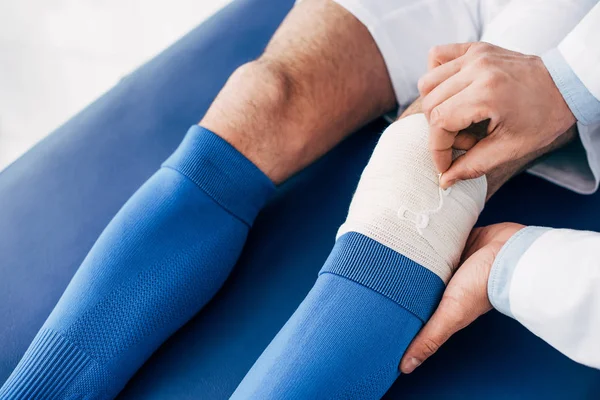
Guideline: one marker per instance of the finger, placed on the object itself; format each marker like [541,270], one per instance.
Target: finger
[463,302]
[440,146]
[437,75]
[464,141]
[487,154]
[439,55]
[474,243]
[458,112]
[447,319]
[450,117]
[445,90]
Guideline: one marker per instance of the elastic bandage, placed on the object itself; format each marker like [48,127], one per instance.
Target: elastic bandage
[399,203]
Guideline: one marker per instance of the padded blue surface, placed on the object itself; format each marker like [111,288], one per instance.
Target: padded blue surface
[56,200]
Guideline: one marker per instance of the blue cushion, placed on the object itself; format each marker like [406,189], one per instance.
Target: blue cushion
[55,201]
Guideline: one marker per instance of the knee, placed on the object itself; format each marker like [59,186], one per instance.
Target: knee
[262,92]
[269,82]
[260,111]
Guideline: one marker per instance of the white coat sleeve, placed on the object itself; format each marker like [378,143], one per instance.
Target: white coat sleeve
[549,281]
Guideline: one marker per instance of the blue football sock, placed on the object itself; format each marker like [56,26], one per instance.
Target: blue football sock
[159,261]
[346,339]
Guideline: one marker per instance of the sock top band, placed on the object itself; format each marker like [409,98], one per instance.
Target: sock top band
[222,172]
[368,262]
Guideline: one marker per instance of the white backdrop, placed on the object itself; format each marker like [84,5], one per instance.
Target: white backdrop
[56,56]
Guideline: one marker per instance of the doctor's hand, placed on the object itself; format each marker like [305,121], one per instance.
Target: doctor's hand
[472,82]
[465,298]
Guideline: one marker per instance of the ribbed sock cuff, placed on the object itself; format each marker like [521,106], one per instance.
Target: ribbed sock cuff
[371,264]
[46,369]
[222,172]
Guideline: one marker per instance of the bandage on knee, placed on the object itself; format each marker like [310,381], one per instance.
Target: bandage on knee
[398,201]
[381,282]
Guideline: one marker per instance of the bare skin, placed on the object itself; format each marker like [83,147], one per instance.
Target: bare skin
[471,82]
[320,78]
[466,296]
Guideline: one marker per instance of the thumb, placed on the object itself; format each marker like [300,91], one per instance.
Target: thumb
[464,300]
[487,154]
[448,319]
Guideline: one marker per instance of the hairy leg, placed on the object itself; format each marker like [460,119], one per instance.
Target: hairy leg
[174,242]
[320,78]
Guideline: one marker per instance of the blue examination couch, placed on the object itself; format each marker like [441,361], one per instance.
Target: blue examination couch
[57,198]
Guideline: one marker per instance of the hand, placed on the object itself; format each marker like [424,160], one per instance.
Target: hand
[465,298]
[472,82]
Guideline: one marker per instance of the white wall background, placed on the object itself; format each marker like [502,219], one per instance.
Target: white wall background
[56,56]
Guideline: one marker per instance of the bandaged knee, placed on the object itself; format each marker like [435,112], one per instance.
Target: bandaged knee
[399,203]
[401,241]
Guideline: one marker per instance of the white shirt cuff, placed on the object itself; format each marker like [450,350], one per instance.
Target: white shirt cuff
[502,270]
[580,100]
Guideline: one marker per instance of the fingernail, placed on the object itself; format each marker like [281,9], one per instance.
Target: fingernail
[410,365]
[452,183]
[446,185]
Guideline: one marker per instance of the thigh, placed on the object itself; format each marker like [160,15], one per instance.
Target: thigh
[405,30]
